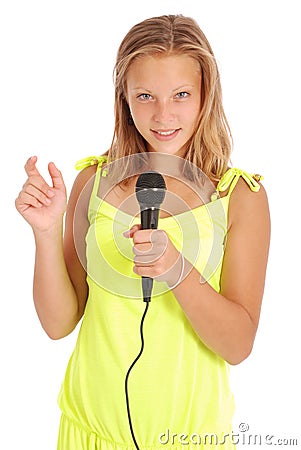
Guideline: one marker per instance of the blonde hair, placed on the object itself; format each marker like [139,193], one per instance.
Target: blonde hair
[210,147]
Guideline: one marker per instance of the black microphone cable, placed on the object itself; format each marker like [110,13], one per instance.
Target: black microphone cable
[128,374]
[150,192]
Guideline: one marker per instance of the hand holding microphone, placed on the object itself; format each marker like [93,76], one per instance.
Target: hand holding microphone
[155,255]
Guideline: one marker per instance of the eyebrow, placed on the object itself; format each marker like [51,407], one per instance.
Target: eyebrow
[140,88]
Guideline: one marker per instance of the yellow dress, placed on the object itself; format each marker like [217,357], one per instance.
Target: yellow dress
[179,391]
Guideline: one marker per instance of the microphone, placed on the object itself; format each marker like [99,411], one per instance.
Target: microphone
[150,193]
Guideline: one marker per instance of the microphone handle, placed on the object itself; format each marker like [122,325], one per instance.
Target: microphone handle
[149,220]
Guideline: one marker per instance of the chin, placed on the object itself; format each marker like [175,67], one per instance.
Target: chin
[177,151]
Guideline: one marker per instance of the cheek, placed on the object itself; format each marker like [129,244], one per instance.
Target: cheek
[140,109]
[141,116]
[192,114]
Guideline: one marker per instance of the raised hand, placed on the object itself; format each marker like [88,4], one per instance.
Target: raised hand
[42,205]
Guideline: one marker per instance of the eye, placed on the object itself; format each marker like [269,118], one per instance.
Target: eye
[144,97]
[182,95]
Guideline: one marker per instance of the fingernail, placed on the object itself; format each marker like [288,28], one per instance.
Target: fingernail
[50,193]
[127,233]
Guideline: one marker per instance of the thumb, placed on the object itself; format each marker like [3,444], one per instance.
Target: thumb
[56,176]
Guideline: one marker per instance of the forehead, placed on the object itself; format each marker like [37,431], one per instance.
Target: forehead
[167,68]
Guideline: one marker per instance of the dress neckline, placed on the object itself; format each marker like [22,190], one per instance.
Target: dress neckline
[197,210]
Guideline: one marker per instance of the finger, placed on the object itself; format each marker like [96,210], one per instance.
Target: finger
[143,271]
[25,200]
[150,254]
[158,237]
[140,249]
[153,236]
[30,166]
[39,194]
[35,178]
[142,236]
[56,176]
[38,182]
[148,259]
[147,271]
[130,233]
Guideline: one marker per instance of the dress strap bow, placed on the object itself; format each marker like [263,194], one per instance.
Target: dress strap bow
[91,161]
[231,177]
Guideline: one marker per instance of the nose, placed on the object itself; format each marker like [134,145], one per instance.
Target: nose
[163,112]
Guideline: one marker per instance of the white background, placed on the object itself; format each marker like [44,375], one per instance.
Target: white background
[56,102]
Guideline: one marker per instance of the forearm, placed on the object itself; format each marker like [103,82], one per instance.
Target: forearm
[223,325]
[55,298]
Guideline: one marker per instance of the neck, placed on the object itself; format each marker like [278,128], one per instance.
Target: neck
[165,163]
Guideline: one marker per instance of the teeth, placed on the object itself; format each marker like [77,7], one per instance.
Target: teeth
[166,133]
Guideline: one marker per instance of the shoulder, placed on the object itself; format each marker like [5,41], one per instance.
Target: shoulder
[85,175]
[81,190]
[85,179]
[247,206]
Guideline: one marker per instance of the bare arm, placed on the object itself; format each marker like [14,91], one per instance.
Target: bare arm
[59,300]
[227,321]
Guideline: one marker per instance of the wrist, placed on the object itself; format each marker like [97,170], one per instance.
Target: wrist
[178,272]
[53,232]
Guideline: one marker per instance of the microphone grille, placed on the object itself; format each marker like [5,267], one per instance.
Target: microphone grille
[150,188]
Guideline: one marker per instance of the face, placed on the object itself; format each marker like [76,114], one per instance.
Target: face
[164,97]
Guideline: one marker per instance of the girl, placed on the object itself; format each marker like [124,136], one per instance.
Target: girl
[208,258]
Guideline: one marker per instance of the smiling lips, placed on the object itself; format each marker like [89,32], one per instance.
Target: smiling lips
[165,135]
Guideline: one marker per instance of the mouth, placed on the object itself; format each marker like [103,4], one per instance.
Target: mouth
[166,134]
